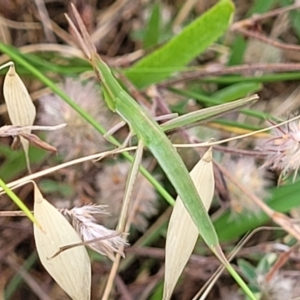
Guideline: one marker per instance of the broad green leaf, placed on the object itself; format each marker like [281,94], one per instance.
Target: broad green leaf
[193,40]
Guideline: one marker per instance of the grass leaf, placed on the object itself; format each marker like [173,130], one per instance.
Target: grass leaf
[179,51]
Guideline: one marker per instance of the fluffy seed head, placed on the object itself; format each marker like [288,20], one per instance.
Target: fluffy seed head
[111,182]
[279,287]
[78,137]
[85,222]
[253,178]
[282,149]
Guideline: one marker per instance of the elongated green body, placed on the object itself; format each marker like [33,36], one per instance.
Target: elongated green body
[157,142]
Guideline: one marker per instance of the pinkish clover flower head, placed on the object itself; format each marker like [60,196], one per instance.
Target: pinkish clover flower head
[282,149]
[78,138]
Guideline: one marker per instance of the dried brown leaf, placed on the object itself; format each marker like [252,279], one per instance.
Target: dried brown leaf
[35,140]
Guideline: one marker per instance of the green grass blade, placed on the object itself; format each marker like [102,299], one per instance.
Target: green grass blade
[194,39]
[205,113]
[240,282]
[262,78]
[18,202]
[237,90]
[211,100]
[237,51]
[44,63]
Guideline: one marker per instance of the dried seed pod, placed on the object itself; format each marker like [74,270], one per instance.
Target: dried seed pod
[71,269]
[182,232]
[20,107]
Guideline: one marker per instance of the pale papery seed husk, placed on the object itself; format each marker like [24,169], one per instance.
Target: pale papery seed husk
[71,269]
[20,107]
[182,232]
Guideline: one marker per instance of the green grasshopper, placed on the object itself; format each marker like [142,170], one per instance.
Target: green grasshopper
[151,135]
